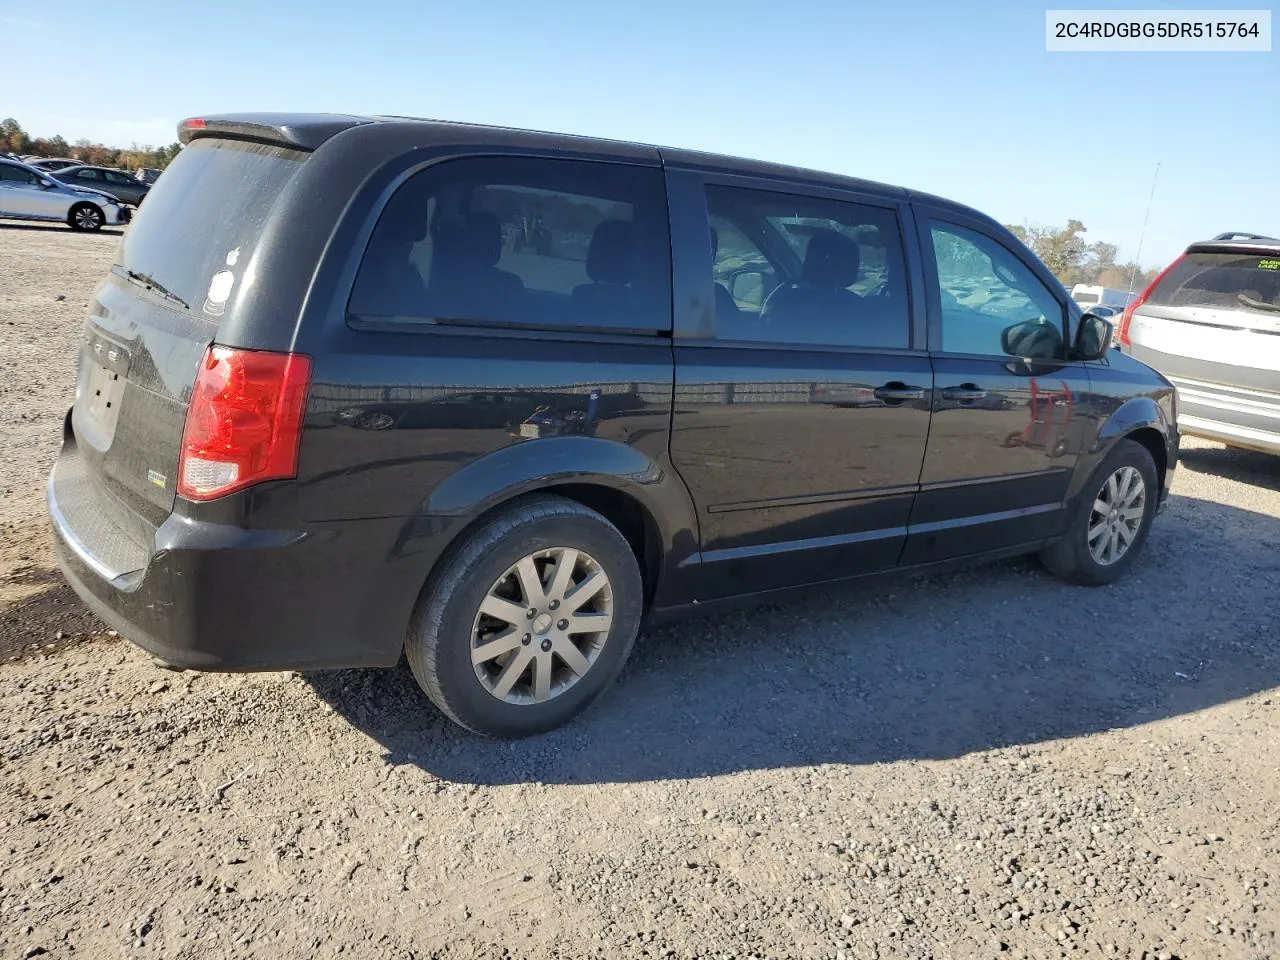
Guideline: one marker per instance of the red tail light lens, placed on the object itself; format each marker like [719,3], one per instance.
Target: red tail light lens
[195,123]
[244,421]
[1122,335]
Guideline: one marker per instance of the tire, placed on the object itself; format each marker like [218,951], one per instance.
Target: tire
[85,216]
[1072,557]
[485,567]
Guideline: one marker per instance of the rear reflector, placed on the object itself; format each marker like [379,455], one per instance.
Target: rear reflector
[1122,335]
[244,421]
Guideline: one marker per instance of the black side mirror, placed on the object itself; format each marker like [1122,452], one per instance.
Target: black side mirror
[1093,337]
[1033,339]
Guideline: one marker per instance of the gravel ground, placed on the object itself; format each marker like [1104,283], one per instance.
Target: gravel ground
[988,764]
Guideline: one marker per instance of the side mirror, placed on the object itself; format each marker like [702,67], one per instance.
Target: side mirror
[1093,337]
[747,286]
[1033,339]
[47,184]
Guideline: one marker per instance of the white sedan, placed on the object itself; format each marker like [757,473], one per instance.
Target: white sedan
[29,194]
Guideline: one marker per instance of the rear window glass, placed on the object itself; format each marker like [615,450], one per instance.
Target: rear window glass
[1233,281]
[1086,298]
[521,242]
[206,213]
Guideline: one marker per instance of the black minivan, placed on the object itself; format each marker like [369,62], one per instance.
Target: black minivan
[365,385]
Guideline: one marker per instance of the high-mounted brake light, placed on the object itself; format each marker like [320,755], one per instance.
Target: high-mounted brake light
[1122,335]
[194,123]
[244,421]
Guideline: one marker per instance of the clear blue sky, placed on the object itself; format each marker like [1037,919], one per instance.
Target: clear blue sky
[957,98]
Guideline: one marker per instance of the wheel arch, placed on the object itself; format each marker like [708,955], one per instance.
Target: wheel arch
[643,498]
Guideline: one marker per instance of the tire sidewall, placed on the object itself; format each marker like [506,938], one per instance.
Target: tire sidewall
[1131,454]
[459,595]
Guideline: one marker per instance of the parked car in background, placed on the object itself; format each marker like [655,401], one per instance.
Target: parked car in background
[49,164]
[1089,295]
[1211,323]
[30,194]
[320,434]
[119,184]
[1106,311]
[148,175]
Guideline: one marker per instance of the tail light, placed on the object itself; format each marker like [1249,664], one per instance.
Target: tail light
[1122,335]
[244,421]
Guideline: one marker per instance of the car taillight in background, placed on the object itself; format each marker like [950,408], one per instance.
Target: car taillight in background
[244,421]
[1122,335]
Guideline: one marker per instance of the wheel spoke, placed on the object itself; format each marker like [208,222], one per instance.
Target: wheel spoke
[567,651]
[1101,506]
[541,677]
[585,590]
[1096,531]
[1114,544]
[1133,514]
[1126,534]
[512,672]
[565,563]
[590,623]
[497,646]
[504,610]
[530,582]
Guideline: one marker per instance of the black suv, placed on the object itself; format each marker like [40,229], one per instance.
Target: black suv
[359,386]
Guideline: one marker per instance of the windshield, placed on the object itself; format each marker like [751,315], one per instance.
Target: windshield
[1234,281]
[205,213]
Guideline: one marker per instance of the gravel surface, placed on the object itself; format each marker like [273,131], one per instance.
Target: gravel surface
[987,764]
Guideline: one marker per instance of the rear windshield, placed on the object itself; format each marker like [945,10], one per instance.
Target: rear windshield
[1086,298]
[205,215]
[1234,281]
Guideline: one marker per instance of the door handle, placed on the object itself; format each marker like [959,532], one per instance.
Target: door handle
[896,391]
[965,393]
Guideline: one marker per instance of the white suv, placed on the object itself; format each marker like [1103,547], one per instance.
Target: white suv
[29,194]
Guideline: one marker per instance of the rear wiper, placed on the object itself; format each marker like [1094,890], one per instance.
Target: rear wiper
[154,286]
[1248,301]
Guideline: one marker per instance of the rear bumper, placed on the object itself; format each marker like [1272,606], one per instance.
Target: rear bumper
[217,597]
[1232,415]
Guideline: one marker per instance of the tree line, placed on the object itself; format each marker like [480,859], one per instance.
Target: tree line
[1072,259]
[13,139]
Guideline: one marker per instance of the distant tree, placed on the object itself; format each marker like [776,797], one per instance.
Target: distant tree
[1065,252]
[14,139]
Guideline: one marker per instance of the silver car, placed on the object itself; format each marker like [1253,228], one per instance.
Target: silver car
[30,194]
[1211,324]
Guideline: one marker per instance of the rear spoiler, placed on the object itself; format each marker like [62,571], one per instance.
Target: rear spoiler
[301,131]
[1254,244]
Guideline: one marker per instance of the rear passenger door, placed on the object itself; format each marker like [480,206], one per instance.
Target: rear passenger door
[802,383]
[1009,408]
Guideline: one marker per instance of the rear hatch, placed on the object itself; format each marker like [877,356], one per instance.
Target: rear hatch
[151,320]
[1214,316]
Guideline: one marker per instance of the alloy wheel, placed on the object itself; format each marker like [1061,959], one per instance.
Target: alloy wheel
[1117,515]
[542,625]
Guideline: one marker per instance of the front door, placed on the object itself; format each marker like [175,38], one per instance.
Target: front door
[1008,406]
[801,407]
[21,194]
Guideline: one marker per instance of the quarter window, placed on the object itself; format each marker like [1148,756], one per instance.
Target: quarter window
[992,304]
[807,270]
[522,242]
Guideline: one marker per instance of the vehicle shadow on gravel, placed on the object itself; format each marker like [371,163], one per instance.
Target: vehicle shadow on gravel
[921,669]
[1245,466]
[56,228]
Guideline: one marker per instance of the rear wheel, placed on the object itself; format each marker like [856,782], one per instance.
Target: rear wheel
[529,620]
[1111,523]
[85,216]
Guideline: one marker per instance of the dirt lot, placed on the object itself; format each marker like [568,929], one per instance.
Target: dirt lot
[989,764]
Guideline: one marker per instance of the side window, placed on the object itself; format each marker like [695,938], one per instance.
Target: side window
[88,175]
[522,242]
[118,178]
[992,304]
[822,272]
[13,174]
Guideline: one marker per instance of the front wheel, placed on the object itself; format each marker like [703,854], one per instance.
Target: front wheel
[529,619]
[1110,525]
[85,216]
